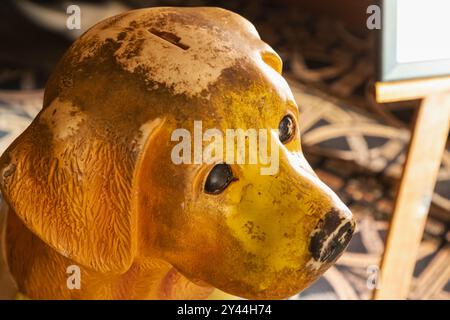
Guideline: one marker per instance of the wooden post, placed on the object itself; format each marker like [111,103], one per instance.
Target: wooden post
[415,191]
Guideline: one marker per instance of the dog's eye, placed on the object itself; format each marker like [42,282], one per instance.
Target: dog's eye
[219,178]
[286,129]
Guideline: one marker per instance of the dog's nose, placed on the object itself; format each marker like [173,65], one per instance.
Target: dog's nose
[331,236]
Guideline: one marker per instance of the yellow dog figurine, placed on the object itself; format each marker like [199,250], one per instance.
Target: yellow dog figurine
[91,184]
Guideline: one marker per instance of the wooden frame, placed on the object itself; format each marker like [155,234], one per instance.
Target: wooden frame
[420,171]
[410,90]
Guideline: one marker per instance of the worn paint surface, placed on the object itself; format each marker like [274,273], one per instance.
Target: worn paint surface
[91,181]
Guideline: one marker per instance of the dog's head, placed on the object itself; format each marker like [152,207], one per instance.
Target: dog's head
[94,175]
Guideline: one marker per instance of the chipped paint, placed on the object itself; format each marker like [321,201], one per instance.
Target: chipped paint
[145,130]
[207,49]
[63,118]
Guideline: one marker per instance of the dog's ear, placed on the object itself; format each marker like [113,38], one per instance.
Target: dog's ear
[70,177]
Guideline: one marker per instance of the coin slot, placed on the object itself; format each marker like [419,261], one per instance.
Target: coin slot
[170,37]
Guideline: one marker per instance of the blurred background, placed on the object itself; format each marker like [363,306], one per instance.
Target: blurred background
[355,145]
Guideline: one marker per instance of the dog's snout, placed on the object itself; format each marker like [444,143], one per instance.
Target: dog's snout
[331,236]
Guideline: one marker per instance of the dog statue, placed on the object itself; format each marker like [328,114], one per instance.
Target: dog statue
[92,191]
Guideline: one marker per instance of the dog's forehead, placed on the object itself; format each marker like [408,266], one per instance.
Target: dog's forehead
[184,49]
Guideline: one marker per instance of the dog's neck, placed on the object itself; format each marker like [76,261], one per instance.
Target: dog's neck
[42,273]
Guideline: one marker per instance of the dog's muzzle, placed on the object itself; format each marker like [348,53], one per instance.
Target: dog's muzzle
[331,236]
